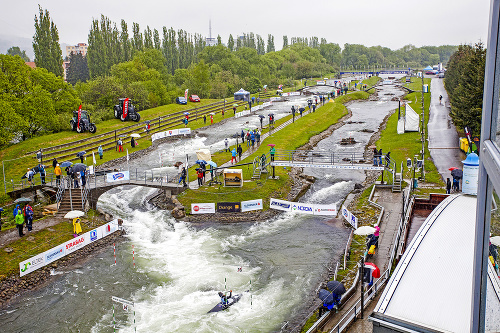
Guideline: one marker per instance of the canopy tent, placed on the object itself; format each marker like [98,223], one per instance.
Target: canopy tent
[428,68]
[409,122]
[203,154]
[242,95]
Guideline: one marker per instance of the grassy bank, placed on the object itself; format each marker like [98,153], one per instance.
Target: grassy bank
[409,144]
[292,137]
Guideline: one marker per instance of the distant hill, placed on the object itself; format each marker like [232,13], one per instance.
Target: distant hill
[6,42]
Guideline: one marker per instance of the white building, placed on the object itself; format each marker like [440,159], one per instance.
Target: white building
[78,48]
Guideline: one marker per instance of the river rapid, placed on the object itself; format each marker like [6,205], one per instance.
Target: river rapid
[180,267]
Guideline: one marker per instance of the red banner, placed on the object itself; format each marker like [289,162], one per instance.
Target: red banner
[125,108]
[79,115]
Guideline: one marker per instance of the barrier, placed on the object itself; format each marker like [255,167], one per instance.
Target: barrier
[226,207]
[303,208]
[173,132]
[55,253]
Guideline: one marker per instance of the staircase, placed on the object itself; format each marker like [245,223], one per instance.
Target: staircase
[259,167]
[66,200]
[397,177]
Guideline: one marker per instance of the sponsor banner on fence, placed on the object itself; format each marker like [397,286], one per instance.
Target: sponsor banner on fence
[117,176]
[32,264]
[203,208]
[325,209]
[353,220]
[302,208]
[184,131]
[228,207]
[251,205]
[327,166]
[66,248]
[280,205]
[275,99]
[173,132]
[266,104]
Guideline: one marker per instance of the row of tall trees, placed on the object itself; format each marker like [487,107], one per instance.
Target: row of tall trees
[464,84]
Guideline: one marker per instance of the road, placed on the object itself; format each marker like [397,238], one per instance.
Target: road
[442,134]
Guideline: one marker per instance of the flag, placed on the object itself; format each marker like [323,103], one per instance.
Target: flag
[186,94]
[79,115]
[93,158]
[125,108]
[127,154]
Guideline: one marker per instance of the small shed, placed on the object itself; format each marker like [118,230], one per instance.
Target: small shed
[242,95]
[233,177]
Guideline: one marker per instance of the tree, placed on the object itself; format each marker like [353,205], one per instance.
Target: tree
[219,40]
[270,43]
[46,46]
[230,43]
[148,38]
[156,39]
[137,42]
[15,50]
[285,41]
[97,52]
[78,69]
[125,42]
[261,46]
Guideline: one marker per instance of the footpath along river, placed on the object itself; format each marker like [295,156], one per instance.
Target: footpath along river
[180,267]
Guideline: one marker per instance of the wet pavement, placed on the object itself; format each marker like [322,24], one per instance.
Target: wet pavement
[442,134]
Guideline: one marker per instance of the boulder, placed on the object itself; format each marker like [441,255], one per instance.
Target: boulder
[178,213]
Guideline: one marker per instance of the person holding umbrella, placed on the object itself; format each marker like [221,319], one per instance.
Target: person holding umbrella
[20,222]
[132,142]
[272,151]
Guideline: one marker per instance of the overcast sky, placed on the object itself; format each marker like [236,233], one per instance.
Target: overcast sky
[391,23]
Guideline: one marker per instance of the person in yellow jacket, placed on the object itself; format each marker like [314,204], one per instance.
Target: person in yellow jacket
[77,228]
[20,222]
[58,173]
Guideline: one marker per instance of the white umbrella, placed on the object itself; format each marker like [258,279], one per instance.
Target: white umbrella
[135,135]
[213,114]
[364,230]
[74,214]
[495,240]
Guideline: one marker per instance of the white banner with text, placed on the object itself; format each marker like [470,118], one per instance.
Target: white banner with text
[117,176]
[203,208]
[172,132]
[311,209]
[249,205]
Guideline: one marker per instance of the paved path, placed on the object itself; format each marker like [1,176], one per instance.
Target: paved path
[442,134]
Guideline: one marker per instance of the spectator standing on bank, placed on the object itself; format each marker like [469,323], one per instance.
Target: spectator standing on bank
[448,185]
[58,173]
[226,143]
[28,216]
[240,151]
[54,162]
[20,222]
[199,173]
[120,145]
[41,168]
[375,157]
[205,119]
[380,154]
[272,151]
[101,152]
[233,155]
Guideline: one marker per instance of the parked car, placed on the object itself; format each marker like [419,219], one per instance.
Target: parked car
[194,98]
[180,100]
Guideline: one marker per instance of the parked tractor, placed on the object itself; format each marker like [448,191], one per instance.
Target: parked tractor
[126,111]
[83,124]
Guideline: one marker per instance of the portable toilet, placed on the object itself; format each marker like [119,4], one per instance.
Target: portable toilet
[426,88]
[470,174]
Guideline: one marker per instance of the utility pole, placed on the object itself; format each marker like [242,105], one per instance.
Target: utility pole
[423,129]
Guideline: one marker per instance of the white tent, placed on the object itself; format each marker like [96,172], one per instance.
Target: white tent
[411,120]
[401,125]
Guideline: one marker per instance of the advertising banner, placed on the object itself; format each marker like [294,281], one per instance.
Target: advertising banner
[173,132]
[327,166]
[228,207]
[203,208]
[117,176]
[66,248]
[353,220]
[345,213]
[302,208]
[75,244]
[280,205]
[251,205]
[325,210]
[275,99]
[32,264]
[183,131]
[266,104]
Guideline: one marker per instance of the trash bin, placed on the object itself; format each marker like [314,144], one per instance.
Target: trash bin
[415,183]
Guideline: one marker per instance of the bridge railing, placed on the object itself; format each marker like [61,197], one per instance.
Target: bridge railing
[136,177]
[23,183]
[319,157]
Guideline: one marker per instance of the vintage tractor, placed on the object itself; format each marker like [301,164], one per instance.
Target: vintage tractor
[126,111]
[83,124]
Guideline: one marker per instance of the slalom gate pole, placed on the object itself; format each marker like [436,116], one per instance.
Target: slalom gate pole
[250,293]
[225,285]
[133,256]
[114,252]
[114,322]
[135,327]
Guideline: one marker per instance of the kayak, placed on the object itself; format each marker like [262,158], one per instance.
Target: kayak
[230,301]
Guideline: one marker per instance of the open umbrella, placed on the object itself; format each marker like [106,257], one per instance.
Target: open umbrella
[186,113]
[364,230]
[73,214]
[325,296]
[270,114]
[495,240]
[147,121]
[302,109]
[81,153]
[457,173]
[375,270]
[79,167]
[372,147]
[261,116]
[336,287]
[212,164]
[271,145]
[66,164]
[122,136]
[452,168]
[201,162]
[135,135]
[213,114]
[235,105]
[22,199]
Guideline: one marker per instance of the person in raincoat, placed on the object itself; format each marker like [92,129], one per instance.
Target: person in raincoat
[20,222]
[272,151]
[58,173]
[120,145]
[211,119]
[100,152]
[252,137]
[199,173]
[28,216]
[77,228]
[182,178]
[132,142]
[257,137]
[239,151]
[226,143]
[14,212]
[41,168]
[233,155]
[448,185]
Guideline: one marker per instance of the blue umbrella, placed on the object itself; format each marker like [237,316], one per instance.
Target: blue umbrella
[336,287]
[66,164]
[201,162]
[212,164]
[81,153]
